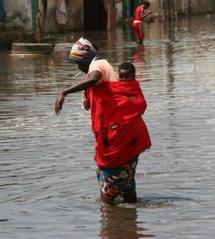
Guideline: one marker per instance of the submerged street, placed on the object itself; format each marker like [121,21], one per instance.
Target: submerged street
[48,182]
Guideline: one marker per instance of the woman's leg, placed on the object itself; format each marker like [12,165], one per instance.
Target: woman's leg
[106,199]
[118,181]
[108,187]
[130,197]
[129,186]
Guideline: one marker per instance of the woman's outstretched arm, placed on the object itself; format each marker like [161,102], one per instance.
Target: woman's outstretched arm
[93,79]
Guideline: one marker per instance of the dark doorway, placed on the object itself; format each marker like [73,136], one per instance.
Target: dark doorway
[95,16]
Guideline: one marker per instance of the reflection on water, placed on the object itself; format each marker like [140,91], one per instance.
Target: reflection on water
[47,172]
[121,222]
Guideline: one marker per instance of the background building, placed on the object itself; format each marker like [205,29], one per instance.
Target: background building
[92,14]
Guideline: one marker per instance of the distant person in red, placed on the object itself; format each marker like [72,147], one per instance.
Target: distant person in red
[141,12]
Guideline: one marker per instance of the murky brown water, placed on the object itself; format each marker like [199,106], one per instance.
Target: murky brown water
[48,187]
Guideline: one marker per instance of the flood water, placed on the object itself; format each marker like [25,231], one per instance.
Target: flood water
[48,186]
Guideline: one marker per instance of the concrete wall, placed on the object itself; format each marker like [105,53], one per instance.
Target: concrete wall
[202,6]
[75,10]
[119,11]
[155,7]
[18,14]
[171,7]
[50,23]
[75,14]
[186,7]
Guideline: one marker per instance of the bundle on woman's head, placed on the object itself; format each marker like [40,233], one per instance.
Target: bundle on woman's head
[82,51]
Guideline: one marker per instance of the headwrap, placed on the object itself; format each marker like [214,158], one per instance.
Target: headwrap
[82,51]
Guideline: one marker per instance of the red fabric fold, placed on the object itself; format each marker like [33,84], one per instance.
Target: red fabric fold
[121,133]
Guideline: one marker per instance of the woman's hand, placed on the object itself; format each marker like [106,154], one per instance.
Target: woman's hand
[146,14]
[59,103]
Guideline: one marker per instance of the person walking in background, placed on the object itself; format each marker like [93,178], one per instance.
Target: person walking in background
[116,107]
[141,12]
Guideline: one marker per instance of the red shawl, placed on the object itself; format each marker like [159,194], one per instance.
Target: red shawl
[121,134]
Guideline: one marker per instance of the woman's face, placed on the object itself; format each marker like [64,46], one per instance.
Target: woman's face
[83,66]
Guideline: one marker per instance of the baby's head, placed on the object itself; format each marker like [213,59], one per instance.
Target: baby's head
[126,71]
